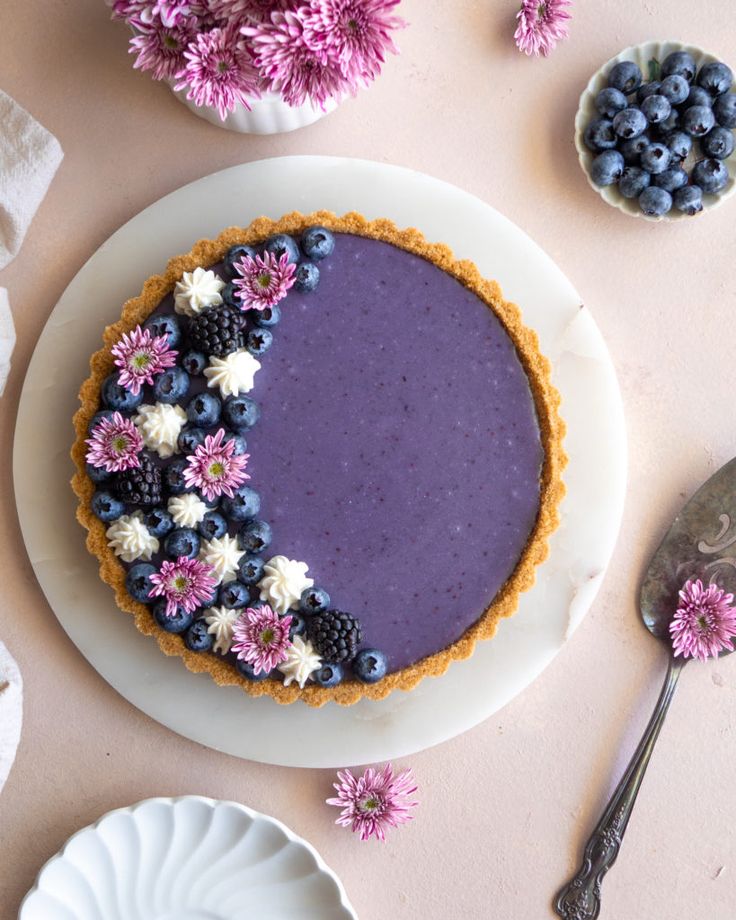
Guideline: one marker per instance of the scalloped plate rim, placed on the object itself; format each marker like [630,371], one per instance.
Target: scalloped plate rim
[586,103]
[172,801]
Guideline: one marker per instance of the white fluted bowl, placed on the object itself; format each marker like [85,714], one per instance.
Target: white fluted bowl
[641,55]
[267,115]
[188,858]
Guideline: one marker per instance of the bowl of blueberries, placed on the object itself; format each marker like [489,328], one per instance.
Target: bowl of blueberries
[654,131]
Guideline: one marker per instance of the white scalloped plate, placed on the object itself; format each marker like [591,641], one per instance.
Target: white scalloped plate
[641,55]
[188,858]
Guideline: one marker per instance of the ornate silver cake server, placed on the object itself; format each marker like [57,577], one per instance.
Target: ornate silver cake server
[701,543]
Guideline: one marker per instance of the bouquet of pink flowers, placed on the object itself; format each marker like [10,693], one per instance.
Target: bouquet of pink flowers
[226,52]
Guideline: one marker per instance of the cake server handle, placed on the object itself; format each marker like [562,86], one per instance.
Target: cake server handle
[580,899]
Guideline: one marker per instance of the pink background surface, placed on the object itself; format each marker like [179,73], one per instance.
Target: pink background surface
[506,807]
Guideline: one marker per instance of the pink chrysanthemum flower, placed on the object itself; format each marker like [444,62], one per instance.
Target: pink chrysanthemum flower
[263,281]
[172,13]
[292,67]
[186,583]
[214,468]
[356,34]
[114,444]
[161,50]
[219,71]
[141,357]
[244,10]
[375,801]
[261,637]
[134,12]
[705,622]
[542,23]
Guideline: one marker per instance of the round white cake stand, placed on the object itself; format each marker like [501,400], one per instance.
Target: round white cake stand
[226,718]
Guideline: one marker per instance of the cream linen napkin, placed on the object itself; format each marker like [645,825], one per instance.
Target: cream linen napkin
[11,711]
[29,158]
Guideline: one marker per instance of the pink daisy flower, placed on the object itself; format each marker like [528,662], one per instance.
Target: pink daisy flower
[354,33]
[172,13]
[541,24]
[375,801]
[219,71]
[293,68]
[263,281]
[186,583]
[161,50]
[705,622]
[141,357]
[114,444]
[243,10]
[261,637]
[214,468]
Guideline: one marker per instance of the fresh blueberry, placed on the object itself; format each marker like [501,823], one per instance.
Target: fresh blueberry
[655,202]
[268,317]
[675,88]
[159,522]
[647,89]
[317,243]
[194,363]
[656,158]
[698,96]
[298,625]
[98,474]
[174,477]
[609,101]
[259,341]
[680,64]
[625,77]
[689,199]
[177,623]
[633,181]
[698,120]
[607,167]
[212,526]
[679,144]
[197,638]
[599,135]
[229,295]
[718,143]
[245,503]
[182,542]
[167,325]
[631,150]
[630,123]
[118,398]
[668,124]
[241,445]
[307,277]
[241,412]
[106,507]
[711,175]
[190,439]
[234,594]
[724,108]
[717,78]
[254,536]
[370,665]
[671,179]
[250,569]
[138,582]
[98,417]
[281,245]
[656,109]
[314,600]
[203,410]
[246,669]
[237,254]
[171,385]
[329,675]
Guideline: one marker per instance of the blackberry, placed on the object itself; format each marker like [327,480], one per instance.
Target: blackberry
[142,485]
[217,332]
[335,635]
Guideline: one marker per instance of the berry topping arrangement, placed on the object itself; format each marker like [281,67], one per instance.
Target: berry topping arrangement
[663,142]
[168,456]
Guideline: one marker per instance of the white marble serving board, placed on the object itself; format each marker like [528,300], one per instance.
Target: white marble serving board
[225,718]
